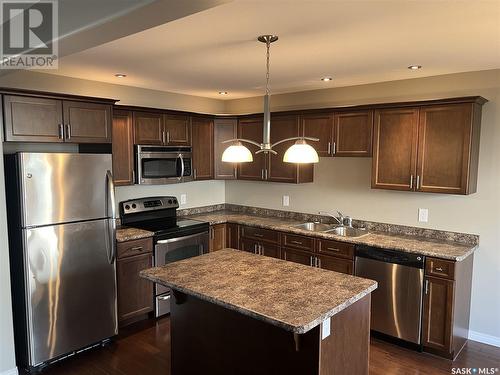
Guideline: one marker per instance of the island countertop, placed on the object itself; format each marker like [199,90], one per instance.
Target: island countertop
[292,296]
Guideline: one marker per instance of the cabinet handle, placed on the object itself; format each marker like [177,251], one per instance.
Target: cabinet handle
[426,286]
[418,182]
[411,181]
[68,132]
[261,250]
[136,248]
[333,249]
[334,148]
[296,242]
[258,235]
[329,148]
[194,173]
[265,173]
[311,261]
[61,131]
[318,262]
[168,137]
[255,248]
[133,177]
[440,269]
[212,233]
[261,174]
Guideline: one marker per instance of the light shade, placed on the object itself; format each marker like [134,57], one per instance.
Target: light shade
[301,153]
[237,153]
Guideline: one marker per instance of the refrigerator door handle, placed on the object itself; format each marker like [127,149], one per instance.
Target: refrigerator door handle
[111,227]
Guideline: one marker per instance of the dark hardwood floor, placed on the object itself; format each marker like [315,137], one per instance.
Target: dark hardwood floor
[145,349]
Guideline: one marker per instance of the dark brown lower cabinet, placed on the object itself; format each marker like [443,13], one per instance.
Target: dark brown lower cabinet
[249,245]
[270,250]
[217,237]
[297,256]
[233,235]
[135,294]
[446,308]
[336,264]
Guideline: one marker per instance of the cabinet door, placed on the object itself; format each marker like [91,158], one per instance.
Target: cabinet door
[250,246]
[135,294]
[217,237]
[251,128]
[395,149]
[437,319]
[336,264]
[233,235]
[224,129]
[177,130]
[203,150]
[444,145]
[87,122]
[319,126]
[123,148]
[270,250]
[297,256]
[282,127]
[148,128]
[353,133]
[31,119]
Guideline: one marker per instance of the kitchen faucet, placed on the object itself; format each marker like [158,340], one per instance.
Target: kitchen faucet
[341,218]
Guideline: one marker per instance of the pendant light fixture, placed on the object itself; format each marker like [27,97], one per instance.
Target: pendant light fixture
[300,152]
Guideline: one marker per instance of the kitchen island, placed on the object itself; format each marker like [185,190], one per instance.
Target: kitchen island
[239,313]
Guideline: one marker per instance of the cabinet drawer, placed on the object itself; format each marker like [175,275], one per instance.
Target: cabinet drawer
[299,242]
[336,264]
[335,248]
[134,247]
[260,234]
[440,268]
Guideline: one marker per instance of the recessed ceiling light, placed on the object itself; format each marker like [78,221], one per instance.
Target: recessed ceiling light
[222,92]
[415,67]
[120,75]
[326,79]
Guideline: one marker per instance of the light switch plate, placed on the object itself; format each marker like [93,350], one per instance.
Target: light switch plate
[183,198]
[325,328]
[286,200]
[423,215]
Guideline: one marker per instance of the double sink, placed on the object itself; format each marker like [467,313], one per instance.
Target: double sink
[338,230]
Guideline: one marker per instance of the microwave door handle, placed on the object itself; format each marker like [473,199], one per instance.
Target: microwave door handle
[182,167]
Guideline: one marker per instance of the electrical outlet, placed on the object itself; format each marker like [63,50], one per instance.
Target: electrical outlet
[183,198]
[286,200]
[423,215]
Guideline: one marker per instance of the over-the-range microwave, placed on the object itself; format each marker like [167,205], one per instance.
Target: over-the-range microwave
[163,165]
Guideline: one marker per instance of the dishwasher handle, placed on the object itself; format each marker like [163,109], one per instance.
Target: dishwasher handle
[391,256]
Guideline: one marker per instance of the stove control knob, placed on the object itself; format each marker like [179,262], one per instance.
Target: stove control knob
[175,201]
[170,201]
[127,207]
[134,206]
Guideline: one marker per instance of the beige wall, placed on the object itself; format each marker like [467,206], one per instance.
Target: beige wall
[344,183]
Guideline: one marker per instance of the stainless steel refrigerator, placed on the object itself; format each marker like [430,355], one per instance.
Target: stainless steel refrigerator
[61,215]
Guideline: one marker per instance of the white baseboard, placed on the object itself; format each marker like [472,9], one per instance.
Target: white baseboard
[484,338]
[12,371]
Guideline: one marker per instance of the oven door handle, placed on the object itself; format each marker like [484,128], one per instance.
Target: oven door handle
[182,167]
[170,240]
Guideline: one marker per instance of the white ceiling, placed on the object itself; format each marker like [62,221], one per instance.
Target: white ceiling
[354,41]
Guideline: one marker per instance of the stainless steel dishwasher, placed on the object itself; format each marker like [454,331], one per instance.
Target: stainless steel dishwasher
[397,302]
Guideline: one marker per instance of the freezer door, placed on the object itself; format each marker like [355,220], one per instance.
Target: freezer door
[71,288]
[62,188]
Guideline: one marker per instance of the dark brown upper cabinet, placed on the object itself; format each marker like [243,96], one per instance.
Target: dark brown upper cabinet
[320,126]
[87,122]
[177,130]
[123,148]
[251,128]
[448,149]
[395,149]
[203,150]
[346,133]
[428,149]
[148,128]
[45,119]
[224,129]
[352,133]
[282,127]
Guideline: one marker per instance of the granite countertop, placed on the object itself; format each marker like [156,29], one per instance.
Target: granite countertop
[292,296]
[124,234]
[412,244]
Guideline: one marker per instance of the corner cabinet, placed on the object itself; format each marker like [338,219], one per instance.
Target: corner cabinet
[203,148]
[48,118]
[224,130]
[431,148]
